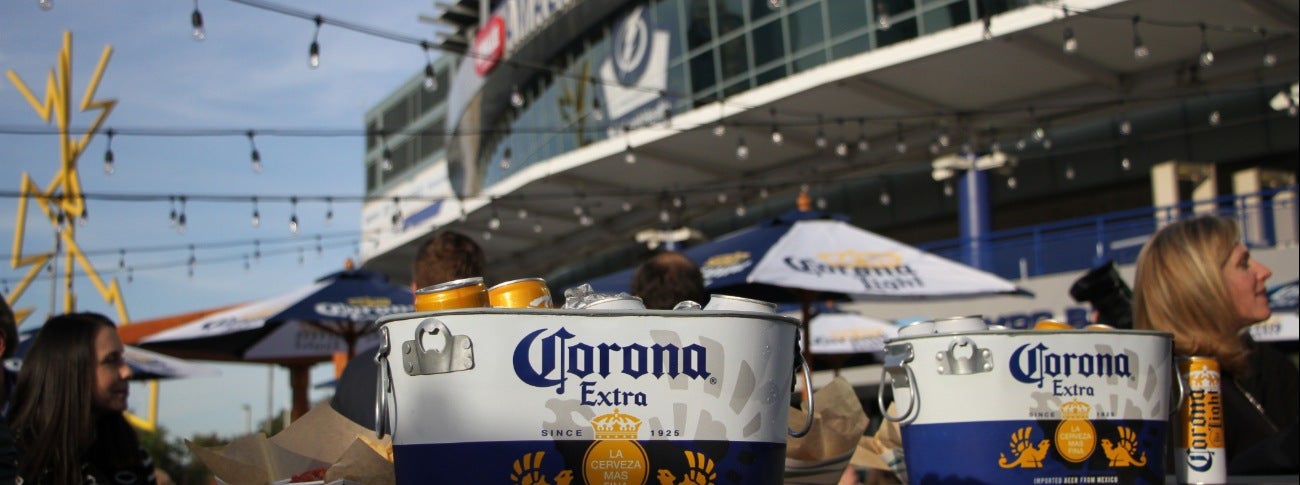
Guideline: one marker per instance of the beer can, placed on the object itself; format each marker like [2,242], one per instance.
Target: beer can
[462,293]
[521,293]
[1200,456]
[1052,325]
[968,323]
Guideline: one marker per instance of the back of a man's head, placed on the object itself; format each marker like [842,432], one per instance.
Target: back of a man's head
[446,256]
[666,279]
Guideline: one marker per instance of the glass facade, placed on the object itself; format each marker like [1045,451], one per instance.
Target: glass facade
[717,49]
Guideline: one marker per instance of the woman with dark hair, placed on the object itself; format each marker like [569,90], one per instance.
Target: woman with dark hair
[1196,280]
[66,409]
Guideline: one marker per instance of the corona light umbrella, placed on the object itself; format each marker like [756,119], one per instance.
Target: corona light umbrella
[804,255]
[295,329]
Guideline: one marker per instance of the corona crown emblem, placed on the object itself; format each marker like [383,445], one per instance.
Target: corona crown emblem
[616,426]
[1075,410]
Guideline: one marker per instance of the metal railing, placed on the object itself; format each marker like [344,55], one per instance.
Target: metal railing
[1267,219]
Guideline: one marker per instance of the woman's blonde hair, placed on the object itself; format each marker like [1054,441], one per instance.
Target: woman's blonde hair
[1179,288]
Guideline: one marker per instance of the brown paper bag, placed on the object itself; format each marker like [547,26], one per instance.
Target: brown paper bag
[838,423]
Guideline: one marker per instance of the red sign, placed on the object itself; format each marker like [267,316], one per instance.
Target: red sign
[489,44]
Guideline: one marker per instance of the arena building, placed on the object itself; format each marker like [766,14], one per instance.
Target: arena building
[569,136]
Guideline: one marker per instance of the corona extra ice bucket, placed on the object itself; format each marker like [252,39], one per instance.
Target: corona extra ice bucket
[1033,407]
[497,395]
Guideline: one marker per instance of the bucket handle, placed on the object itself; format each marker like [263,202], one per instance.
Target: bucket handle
[807,385]
[383,385]
[1182,390]
[896,368]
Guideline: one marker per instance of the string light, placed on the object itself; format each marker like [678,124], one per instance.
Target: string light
[863,144]
[1216,118]
[597,113]
[882,15]
[777,137]
[720,128]
[842,147]
[180,219]
[293,215]
[196,22]
[516,98]
[1069,171]
[108,153]
[626,206]
[629,156]
[988,27]
[775,4]
[1140,51]
[885,199]
[329,210]
[313,53]
[257,250]
[1069,44]
[1270,59]
[255,155]
[1207,55]
[430,78]
[121,259]
[47,4]
[171,201]
[494,222]
[1126,164]
[505,159]
[257,216]
[820,141]
[742,150]
[522,214]
[397,213]
[1125,126]
[385,155]
[900,145]
[190,263]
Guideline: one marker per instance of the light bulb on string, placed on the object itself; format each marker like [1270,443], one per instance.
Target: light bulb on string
[255,156]
[516,97]
[293,215]
[313,52]
[505,159]
[664,216]
[130,275]
[863,144]
[522,214]
[821,203]
[1269,59]
[842,146]
[777,137]
[329,210]
[899,145]
[678,202]
[1069,171]
[988,27]
[247,265]
[171,219]
[763,193]
[196,22]
[885,199]
[190,263]
[1140,51]
[257,250]
[430,77]
[301,257]
[108,153]
[1069,44]
[487,235]
[180,219]
[494,222]
[742,150]
[1011,182]
[629,156]
[721,198]
[947,188]
[626,206]
[882,15]
[720,128]
[597,111]
[1216,118]
[537,228]
[320,251]
[257,215]
[820,141]
[46,4]
[1126,164]
[121,259]
[85,213]
[1207,55]
[1125,126]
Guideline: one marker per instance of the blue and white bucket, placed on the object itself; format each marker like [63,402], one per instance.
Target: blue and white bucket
[1031,407]
[484,395]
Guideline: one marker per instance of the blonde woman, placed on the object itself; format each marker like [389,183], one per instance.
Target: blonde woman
[1196,279]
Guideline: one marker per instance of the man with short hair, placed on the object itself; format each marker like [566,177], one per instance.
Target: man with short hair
[444,256]
[668,278]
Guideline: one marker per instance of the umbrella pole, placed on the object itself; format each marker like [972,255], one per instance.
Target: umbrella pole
[807,298]
[298,377]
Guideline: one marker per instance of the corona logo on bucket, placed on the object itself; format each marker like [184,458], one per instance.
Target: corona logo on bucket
[1075,437]
[1034,364]
[548,361]
[615,457]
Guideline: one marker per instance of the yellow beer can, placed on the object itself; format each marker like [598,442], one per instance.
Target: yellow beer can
[462,293]
[1200,455]
[521,293]
[1052,325]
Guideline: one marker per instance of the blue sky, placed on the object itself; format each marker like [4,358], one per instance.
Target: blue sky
[251,72]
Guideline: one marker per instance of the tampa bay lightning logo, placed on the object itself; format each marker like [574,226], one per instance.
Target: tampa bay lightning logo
[631,45]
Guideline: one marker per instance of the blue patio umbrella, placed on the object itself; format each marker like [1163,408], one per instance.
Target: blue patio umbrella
[296,329]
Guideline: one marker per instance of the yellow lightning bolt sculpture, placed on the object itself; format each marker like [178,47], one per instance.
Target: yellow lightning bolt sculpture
[62,201]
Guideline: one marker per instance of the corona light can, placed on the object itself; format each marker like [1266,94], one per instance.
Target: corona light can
[521,293]
[1200,456]
[462,293]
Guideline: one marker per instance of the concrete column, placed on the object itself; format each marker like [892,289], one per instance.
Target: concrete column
[1266,220]
[974,215]
[1175,182]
